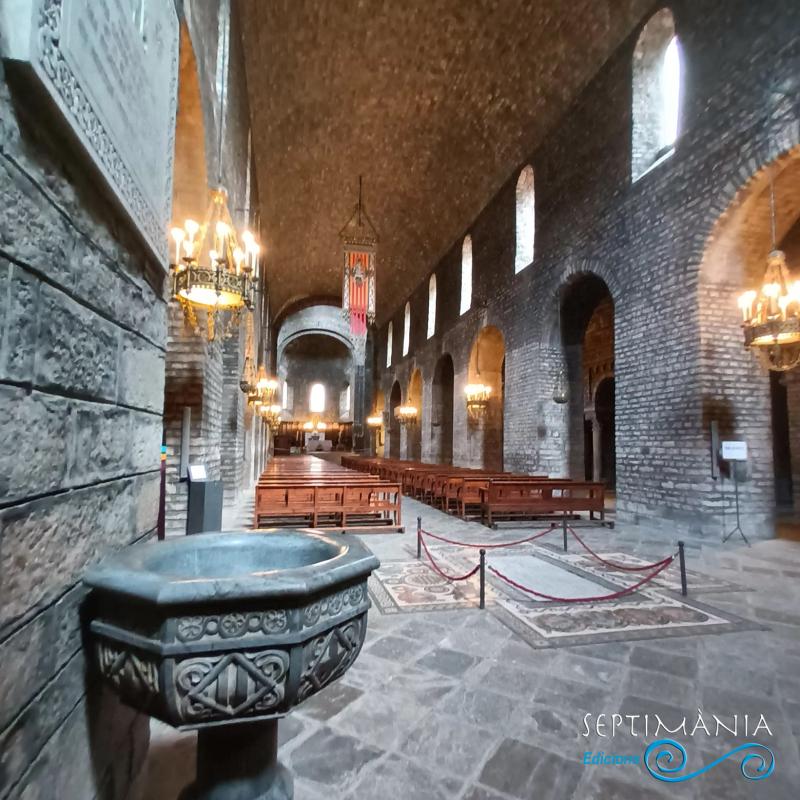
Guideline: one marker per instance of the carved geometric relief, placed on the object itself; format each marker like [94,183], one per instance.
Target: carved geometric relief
[113,80]
[329,656]
[331,606]
[230,685]
[127,671]
[231,626]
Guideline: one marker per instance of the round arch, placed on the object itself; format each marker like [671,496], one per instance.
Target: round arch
[414,432]
[587,341]
[745,400]
[487,366]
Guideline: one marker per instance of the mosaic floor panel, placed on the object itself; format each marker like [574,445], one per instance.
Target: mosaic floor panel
[657,610]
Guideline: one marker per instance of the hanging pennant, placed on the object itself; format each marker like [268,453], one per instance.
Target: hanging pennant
[359,240]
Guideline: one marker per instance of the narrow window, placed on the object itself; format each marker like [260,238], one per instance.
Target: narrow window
[285,395]
[466,274]
[670,93]
[316,399]
[657,91]
[431,306]
[526,219]
[344,402]
[406,328]
[389,346]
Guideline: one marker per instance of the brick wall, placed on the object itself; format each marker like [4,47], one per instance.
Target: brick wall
[678,355]
[201,375]
[82,321]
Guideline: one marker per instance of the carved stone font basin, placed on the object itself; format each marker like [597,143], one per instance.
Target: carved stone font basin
[225,633]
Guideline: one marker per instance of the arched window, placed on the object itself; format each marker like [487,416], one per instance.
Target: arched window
[389,345]
[344,402]
[657,89]
[285,395]
[671,93]
[526,219]
[466,274]
[406,328]
[316,399]
[431,306]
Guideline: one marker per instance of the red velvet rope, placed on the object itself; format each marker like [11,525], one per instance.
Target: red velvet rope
[439,571]
[488,546]
[611,564]
[612,596]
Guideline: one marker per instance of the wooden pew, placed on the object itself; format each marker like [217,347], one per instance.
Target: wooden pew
[515,499]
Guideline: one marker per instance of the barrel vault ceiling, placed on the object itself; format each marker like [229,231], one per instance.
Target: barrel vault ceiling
[434,102]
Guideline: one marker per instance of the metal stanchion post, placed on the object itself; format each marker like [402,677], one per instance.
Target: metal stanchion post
[419,537]
[682,560]
[483,578]
[564,526]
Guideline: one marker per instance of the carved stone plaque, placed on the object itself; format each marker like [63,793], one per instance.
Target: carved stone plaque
[111,70]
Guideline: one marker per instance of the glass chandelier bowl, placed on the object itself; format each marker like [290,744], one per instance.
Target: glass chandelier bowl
[375,421]
[560,391]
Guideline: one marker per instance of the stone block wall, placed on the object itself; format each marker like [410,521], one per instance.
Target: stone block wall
[646,240]
[82,343]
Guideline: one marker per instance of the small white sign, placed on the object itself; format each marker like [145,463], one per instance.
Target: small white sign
[734,451]
[197,472]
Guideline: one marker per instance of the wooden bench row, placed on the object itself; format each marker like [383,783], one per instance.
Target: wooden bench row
[488,495]
[302,490]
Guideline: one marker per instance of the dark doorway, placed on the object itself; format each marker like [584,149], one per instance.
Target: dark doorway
[604,415]
[442,411]
[781,450]
[587,331]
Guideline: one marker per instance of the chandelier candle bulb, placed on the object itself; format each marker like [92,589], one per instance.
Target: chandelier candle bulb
[178,235]
[222,234]
[191,227]
[746,305]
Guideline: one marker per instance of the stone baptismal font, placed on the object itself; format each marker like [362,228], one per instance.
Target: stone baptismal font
[225,633]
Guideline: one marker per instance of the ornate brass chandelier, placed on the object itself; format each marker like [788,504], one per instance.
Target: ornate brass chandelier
[211,270]
[406,415]
[315,426]
[477,397]
[771,314]
[272,415]
[260,391]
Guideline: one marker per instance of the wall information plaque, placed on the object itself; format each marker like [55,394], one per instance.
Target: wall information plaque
[110,68]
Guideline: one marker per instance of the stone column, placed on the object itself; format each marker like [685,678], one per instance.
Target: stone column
[597,448]
[240,761]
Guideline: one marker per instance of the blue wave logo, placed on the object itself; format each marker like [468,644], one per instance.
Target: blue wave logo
[755,766]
